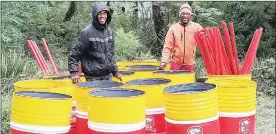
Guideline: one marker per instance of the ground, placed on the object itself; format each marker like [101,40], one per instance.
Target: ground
[265,119]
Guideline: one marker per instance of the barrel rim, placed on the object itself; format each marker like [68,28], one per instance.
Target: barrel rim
[181,72]
[251,84]
[66,97]
[230,75]
[147,66]
[195,92]
[62,77]
[143,70]
[139,69]
[131,73]
[143,60]
[100,81]
[141,93]
[60,84]
[38,128]
[168,81]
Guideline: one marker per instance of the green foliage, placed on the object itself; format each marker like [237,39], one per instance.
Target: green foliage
[249,16]
[15,65]
[264,74]
[127,46]
[200,70]
[206,16]
[5,113]
[123,19]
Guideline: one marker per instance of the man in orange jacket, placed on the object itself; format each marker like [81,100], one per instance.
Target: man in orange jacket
[180,45]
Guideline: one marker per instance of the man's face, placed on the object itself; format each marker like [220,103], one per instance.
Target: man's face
[185,16]
[102,16]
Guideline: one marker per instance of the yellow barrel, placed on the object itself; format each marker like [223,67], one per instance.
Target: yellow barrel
[113,111]
[127,76]
[82,89]
[40,112]
[193,101]
[235,95]
[153,88]
[42,85]
[177,77]
[68,82]
[120,101]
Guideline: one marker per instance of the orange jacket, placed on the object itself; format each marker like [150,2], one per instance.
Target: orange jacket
[180,46]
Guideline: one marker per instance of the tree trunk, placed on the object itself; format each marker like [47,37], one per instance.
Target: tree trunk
[70,12]
[135,20]
[159,17]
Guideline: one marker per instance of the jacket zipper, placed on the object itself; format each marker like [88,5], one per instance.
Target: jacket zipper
[184,47]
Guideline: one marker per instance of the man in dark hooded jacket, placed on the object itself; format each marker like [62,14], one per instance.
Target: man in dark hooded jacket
[94,48]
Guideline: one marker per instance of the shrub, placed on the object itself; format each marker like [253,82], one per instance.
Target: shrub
[128,47]
[264,75]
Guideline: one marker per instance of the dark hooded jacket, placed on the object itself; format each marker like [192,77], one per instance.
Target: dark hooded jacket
[94,48]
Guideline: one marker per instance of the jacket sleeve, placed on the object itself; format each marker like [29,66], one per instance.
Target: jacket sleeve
[114,65]
[199,27]
[168,46]
[77,52]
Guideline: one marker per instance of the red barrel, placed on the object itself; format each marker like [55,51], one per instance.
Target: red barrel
[192,109]
[155,121]
[81,91]
[241,123]
[40,113]
[116,111]
[81,122]
[73,119]
[237,104]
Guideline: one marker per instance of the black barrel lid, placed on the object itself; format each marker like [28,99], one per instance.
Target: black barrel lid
[142,66]
[126,72]
[43,95]
[99,84]
[116,92]
[148,81]
[172,72]
[189,88]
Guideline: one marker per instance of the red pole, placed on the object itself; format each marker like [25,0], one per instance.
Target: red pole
[49,56]
[248,53]
[254,51]
[232,32]
[217,57]
[44,64]
[208,57]
[203,55]
[228,47]
[30,46]
[224,55]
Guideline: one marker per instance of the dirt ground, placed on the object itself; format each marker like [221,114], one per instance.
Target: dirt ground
[265,116]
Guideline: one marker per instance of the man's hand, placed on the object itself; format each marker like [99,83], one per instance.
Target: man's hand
[119,76]
[75,79]
[162,66]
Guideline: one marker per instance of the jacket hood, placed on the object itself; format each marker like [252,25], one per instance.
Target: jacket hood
[96,9]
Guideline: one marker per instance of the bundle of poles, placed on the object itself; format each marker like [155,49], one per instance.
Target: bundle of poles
[40,59]
[221,57]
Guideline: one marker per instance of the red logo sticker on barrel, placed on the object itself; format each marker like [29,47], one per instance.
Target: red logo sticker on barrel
[244,126]
[195,130]
[150,124]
